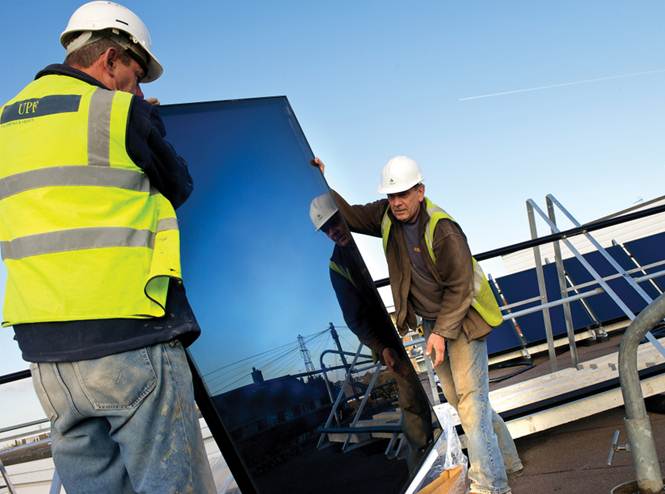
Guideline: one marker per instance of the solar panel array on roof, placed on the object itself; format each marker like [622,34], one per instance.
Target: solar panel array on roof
[524,285]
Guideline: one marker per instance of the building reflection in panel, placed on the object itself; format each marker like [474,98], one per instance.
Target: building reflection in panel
[284,301]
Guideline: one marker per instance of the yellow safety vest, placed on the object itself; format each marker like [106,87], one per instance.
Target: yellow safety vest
[342,271]
[82,233]
[483,298]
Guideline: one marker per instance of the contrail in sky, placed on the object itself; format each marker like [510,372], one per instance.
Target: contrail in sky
[563,84]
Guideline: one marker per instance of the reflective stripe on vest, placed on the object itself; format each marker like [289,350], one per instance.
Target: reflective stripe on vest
[483,299]
[83,238]
[83,234]
[342,271]
[74,175]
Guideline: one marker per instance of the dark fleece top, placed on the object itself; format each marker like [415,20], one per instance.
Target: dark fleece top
[361,305]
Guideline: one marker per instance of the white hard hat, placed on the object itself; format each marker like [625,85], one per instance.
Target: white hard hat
[100,15]
[321,209]
[399,174]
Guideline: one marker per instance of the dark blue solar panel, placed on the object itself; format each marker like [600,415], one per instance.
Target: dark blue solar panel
[502,338]
[602,305]
[581,318]
[522,286]
[648,250]
[258,275]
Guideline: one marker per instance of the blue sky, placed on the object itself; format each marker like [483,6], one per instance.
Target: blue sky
[368,80]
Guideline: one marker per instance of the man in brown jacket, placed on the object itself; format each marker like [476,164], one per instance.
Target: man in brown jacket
[433,275]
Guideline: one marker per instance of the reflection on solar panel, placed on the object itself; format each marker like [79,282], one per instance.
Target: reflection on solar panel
[280,320]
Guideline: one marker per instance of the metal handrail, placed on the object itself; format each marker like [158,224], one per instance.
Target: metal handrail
[56,483]
[375,369]
[15,376]
[21,426]
[573,288]
[324,370]
[571,298]
[638,426]
[3,471]
[333,411]
[540,275]
[356,418]
[613,295]
[603,252]
[5,476]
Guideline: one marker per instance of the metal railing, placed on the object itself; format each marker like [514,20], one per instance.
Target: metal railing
[374,369]
[550,219]
[56,483]
[340,395]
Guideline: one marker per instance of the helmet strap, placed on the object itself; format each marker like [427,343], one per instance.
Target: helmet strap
[128,43]
[79,41]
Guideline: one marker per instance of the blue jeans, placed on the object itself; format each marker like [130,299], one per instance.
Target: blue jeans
[125,423]
[465,381]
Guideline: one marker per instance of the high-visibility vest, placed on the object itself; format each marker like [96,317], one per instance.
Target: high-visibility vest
[344,272]
[483,298]
[82,232]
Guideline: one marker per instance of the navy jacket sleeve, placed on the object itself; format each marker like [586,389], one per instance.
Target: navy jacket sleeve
[148,148]
[354,312]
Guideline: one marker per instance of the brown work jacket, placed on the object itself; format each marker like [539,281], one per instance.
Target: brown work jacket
[453,269]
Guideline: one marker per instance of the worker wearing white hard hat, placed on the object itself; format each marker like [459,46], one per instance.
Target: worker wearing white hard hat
[98,19]
[433,276]
[399,174]
[97,306]
[321,209]
[324,217]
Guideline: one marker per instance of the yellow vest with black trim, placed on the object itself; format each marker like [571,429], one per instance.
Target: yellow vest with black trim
[82,233]
[483,298]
